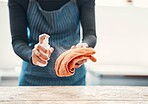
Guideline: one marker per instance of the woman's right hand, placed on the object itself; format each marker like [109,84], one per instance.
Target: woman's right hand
[40,55]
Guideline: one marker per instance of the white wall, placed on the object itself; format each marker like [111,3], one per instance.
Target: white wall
[122,37]
[7,57]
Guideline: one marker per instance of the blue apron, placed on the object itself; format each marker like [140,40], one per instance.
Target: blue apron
[63,26]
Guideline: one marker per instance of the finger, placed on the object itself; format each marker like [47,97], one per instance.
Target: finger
[82,45]
[73,47]
[40,48]
[43,56]
[40,54]
[77,66]
[85,60]
[79,45]
[34,51]
[37,59]
[41,65]
[81,62]
[42,37]
[38,51]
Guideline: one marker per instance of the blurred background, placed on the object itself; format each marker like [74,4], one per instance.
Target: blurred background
[122,45]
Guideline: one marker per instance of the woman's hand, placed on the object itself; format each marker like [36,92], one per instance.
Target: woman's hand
[40,55]
[81,62]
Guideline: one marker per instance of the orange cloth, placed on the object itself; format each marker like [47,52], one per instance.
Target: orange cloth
[65,63]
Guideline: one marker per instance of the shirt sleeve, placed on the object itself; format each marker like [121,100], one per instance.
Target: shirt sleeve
[18,25]
[87,17]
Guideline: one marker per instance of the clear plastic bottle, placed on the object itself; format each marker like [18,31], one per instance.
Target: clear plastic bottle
[46,46]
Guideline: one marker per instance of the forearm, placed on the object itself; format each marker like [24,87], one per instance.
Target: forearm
[22,49]
[87,16]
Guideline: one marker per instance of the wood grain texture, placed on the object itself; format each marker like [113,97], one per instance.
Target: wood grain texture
[74,95]
[74,102]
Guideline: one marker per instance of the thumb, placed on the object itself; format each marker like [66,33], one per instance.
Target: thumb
[51,49]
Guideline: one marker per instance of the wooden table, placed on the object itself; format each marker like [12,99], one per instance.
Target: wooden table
[74,95]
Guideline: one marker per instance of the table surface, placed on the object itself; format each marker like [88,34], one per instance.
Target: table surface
[74,95]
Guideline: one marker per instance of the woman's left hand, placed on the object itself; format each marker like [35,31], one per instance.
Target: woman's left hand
[80,45]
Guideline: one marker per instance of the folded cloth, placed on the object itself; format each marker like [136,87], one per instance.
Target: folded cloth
[65,63]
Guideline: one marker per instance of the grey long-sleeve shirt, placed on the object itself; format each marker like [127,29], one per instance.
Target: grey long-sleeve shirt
[19,23]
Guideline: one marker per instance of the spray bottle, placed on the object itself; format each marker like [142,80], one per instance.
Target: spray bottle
[46,46]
